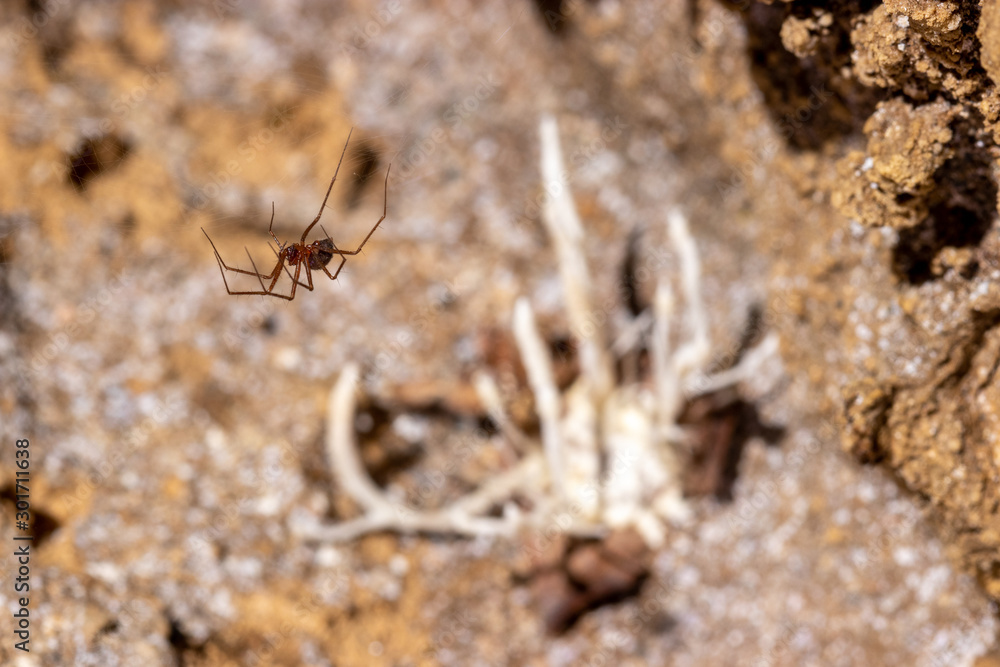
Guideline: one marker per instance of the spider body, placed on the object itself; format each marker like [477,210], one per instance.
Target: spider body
[315,256]
[318,253]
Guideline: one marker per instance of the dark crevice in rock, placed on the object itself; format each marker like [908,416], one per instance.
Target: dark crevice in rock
[809,100]
[962,209]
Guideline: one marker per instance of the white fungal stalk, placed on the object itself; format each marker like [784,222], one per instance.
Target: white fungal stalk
[538,365]
[631,428]
[563,223]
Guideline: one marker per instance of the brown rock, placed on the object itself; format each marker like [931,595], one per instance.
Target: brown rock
[989,39]
[558,602]
[878,60]
[866,407]
[889,184]
[627,549]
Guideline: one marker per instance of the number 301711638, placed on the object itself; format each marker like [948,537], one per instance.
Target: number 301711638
[21,460]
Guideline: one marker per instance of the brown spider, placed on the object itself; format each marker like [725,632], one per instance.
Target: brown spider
[314,256]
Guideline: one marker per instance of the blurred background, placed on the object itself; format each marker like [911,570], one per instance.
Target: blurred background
[177,432]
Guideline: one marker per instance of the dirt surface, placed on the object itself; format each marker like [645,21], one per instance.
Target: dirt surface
[837,162]
[919,341]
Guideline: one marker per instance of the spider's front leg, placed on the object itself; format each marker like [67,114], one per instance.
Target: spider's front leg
[223,267]
[270,229]
[385,209]
[309,279]
[289,273]
[295,282]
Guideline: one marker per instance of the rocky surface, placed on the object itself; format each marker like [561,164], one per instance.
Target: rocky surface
[838,164]
[919,342]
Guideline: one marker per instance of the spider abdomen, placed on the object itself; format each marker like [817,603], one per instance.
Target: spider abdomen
[321,252]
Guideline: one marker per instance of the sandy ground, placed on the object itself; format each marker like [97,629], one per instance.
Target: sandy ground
[177,433]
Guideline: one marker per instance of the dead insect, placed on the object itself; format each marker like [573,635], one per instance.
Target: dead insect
[313,256]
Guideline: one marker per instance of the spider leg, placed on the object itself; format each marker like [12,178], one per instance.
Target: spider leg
[277,274]
[270,226]
[222,272]
[279,257]
[269,290]
[309,277]
[335,250]
[273,276]
[385,208]
[343,260]
[259,293]
[223,264]
[295,280]
[264,292]
[254,265]
[329,189]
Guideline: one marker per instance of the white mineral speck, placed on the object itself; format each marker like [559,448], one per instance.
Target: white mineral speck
[904,556]
[328,556]
[410,428]
[288,358]
[398,565]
